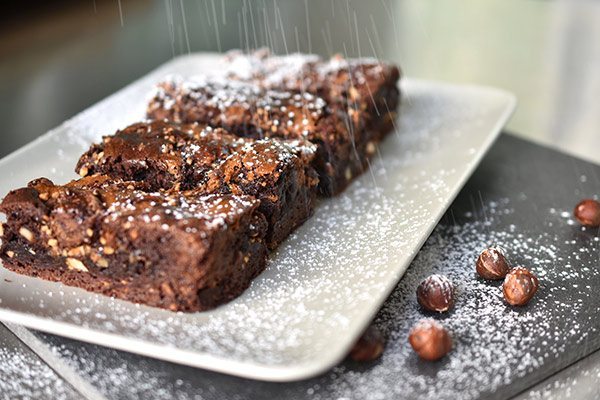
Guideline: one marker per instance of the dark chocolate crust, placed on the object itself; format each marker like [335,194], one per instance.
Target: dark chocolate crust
[162,155]
[345,131]
[175,250]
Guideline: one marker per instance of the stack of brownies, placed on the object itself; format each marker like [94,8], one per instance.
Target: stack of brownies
[180,211]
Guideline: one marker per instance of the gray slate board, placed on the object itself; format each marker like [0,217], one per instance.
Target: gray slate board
[521,198]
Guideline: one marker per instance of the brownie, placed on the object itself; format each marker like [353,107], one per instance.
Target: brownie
[248,110]
[162,155]
[365,88]
[178,250]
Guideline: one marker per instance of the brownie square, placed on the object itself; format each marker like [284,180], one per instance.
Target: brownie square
[178,250]
[248,110]
[364,88]
[163,155]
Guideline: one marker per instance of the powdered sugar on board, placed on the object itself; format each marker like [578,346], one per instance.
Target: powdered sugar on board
[24,376]
[494,344]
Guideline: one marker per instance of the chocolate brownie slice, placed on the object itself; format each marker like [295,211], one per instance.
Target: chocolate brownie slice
[178,250]
[164,155]
[365,88]
[247,110]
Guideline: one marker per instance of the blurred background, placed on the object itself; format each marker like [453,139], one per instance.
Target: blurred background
[59,57]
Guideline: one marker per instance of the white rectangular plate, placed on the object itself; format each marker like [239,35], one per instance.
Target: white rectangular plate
[323,285]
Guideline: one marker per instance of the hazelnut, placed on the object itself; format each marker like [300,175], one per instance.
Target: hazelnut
[436,293]
[26,233]
[102,262]
[519,286]
[430,340]
[166,289]
[492,264]
[108,250]
[587,213]
[75,264]
[370,345]
[371,148]
[348,174]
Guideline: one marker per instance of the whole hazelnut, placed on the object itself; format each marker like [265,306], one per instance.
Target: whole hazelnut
[369,346]
[587,213]
[519,286]
[430,340]
[436,293]
[492,264]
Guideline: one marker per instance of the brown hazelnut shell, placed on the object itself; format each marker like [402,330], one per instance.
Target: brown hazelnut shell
[436,293]
[492,264]
[430,340]
[519,286]
[587,212]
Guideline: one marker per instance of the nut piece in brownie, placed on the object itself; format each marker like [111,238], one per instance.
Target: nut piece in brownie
[247,110]
[171,249]
[365,88]
[162,155]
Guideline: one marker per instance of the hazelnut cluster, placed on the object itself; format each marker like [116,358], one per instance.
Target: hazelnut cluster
[428,338]
[519,284]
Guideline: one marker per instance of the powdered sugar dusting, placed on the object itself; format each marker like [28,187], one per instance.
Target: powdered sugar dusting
[495,345]
[24,376]
[580,381]
[328,279]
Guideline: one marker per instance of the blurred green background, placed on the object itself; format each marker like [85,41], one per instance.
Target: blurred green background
[59,57]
